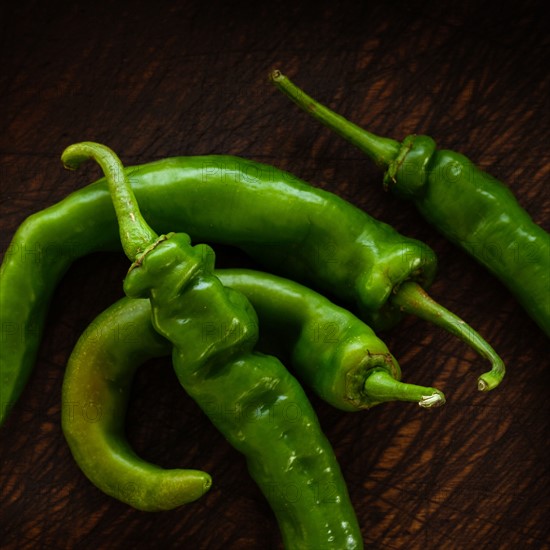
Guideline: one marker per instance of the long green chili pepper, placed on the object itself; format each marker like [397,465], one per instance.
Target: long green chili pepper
[331,350]
[289,226]
[470,207]
[224,373]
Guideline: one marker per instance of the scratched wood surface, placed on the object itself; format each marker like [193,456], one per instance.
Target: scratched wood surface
[154,81]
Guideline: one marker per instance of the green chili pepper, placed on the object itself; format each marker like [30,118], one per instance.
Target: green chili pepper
[98,379]
[331,350]
[470,207]
[225,374]
[300,231]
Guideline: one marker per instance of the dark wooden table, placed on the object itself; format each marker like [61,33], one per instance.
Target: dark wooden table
[157,81]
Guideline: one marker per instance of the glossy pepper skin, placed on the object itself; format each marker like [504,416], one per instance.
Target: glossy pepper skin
[329,349]
[305,233]
[222,372]
[468,206]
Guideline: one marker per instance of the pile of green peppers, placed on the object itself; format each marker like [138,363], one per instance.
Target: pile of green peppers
[228,331]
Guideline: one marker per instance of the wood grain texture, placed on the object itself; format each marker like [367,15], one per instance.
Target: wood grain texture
[156,81]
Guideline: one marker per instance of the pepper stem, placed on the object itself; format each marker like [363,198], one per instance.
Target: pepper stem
[411,298]
[381,386]
[382,150]
[135,233]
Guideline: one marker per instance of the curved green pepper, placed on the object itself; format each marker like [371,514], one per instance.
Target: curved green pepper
[223,373]
[470,207]
[98,378]
[305,233]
